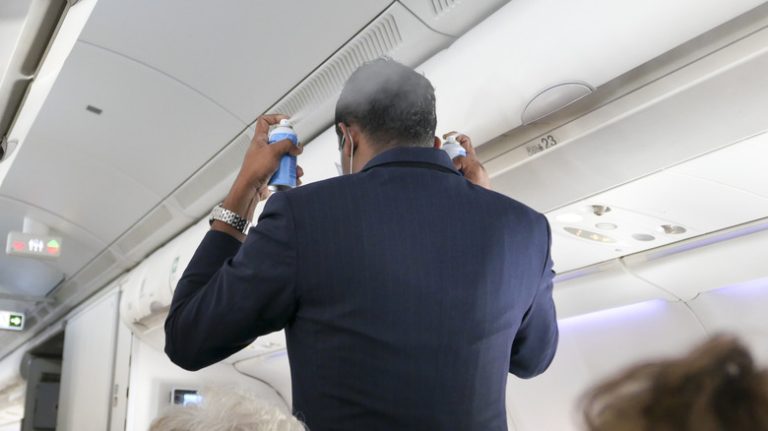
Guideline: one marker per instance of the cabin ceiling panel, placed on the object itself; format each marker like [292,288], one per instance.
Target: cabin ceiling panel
[148,135]
[244,55]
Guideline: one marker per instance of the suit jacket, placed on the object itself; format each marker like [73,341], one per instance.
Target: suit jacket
[406,292]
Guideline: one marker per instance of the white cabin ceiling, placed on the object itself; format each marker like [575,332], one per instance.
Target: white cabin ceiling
[177,82]
[148,95]
[243,56]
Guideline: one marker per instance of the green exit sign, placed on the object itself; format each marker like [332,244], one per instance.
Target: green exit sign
[12,320]
[25,244]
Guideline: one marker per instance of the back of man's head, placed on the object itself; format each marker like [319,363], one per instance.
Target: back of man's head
[392,104]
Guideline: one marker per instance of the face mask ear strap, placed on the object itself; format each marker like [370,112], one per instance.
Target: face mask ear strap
[351,154]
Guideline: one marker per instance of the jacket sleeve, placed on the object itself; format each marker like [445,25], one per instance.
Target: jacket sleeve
[232,293]
[536,341]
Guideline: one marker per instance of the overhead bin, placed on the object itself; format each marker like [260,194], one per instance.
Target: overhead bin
[148,291]
[453,17]
[396,33]
[487,77]
[243,56]
[148,288]
[651,128]
[485,80]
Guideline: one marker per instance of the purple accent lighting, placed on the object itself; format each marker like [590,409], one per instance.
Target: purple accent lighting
[615,316]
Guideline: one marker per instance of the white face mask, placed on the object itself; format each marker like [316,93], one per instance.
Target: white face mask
[339,168]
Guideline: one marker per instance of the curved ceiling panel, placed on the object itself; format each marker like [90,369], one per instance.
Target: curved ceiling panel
[245,56]
[28,276]
[114,135]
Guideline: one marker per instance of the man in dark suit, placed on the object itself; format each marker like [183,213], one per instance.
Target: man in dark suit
[407,290]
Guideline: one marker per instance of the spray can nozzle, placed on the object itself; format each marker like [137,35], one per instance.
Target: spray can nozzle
[453,148]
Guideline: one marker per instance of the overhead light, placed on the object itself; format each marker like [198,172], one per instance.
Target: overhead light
[671,229]
[643,237]
[592,236]
[569,218]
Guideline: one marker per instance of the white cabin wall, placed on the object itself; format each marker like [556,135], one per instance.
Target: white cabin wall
[595,346]
[16,426]
[88,367]
[598,345]
[739,310]
[153,376]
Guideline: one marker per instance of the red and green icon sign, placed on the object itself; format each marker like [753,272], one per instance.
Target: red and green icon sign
[53,247]
[31,245]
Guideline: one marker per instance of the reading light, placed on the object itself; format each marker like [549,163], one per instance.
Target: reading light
[592,236]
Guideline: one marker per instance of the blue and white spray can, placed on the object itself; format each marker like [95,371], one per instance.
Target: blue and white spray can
[285,176]
[453,148]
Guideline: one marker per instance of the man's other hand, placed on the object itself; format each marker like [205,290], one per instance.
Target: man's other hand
[469,165]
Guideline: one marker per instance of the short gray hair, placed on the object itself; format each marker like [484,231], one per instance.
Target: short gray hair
[227,410]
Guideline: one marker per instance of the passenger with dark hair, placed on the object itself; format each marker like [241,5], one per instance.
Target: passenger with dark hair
[716,387]
[408,290]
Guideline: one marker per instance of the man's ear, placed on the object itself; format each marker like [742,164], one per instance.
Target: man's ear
[437,142]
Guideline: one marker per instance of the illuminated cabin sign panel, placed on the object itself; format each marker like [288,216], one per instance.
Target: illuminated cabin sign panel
[12,320]
[30,245]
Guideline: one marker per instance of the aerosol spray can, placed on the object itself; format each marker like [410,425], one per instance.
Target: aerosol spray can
[285,176]
[453,148]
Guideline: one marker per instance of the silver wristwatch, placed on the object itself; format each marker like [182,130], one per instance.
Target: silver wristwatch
[229,217]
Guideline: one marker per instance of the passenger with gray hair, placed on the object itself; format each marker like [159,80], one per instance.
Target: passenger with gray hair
[226,410]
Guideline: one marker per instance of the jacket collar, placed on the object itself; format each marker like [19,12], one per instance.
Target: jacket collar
[413,155]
